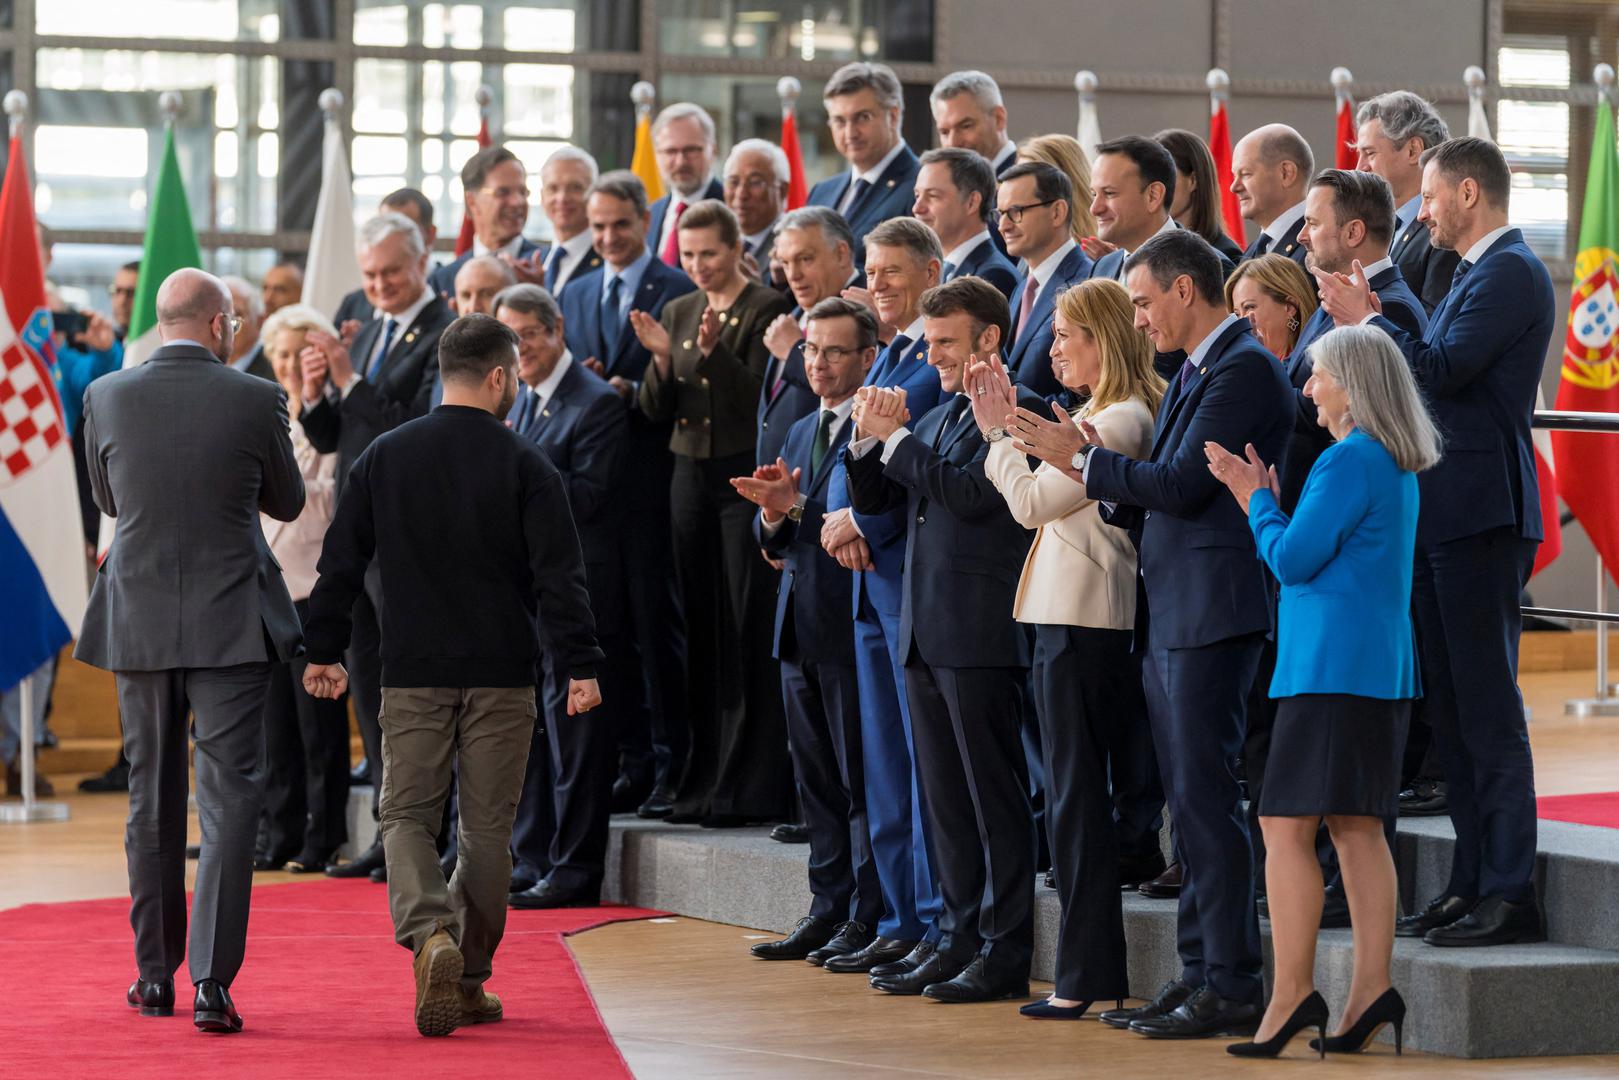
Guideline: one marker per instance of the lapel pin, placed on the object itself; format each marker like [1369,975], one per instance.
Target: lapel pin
[410,337]
[735,320]
[1202,371]
[545,412]
[891,183]
[686,344]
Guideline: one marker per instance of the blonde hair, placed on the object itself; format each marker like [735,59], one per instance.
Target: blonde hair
[1384,401]
[1065,153]
[295,317]
[1283,281]
[1101,308]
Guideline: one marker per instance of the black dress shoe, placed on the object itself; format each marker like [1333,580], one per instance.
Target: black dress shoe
[521,883]
[113,780]
[629,792]
[361,865]
[213,1010]
[1169,997]
[908,963]
[1166,886]
[1426,797]
[545,895]
[1335,908]
[1050,880]
[881,951]
[1134,871]
[1441,911]
[851,937]
[810,934]
[379,876]
[193,852]
[310,863]
[979,983]
[659,804]
[1494,920]
[1201,1016]
[937,968]
[152,998]
[268,863]
[789,832]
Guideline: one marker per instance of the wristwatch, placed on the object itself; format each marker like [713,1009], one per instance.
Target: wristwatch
[1077,462]
[995,434]
[795,512]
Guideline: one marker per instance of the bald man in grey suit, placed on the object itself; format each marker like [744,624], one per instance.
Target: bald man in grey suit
[188,611]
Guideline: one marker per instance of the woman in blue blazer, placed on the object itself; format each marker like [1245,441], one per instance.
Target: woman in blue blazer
[1345,674]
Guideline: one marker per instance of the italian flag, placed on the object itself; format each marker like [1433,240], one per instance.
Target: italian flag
[171,244]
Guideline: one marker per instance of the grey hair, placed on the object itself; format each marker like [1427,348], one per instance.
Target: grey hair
[685,110]
[1404,116]
[909,235]
[574,153]
[295,317]
[506,273]
[1383,397]
[778,158]
[255,298]
[384,225]
[527,299]
[878,78]
[623,185]
[834,229]
[984,89]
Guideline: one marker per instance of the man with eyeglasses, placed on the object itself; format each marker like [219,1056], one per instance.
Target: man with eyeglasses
[684,144]
[1033,207]
[756,179]
[496,186]
[864,107]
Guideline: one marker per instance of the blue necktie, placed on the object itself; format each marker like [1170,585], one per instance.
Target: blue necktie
[890,360]
[531,422]
[948,271]
[1461,271]
[609,320]
[553,269]
[388,328]
[861,186]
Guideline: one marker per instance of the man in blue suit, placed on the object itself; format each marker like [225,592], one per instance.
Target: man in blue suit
[1478,366]
[596,307]
[965,657]
[955,194]
[496,186]
[684,144]
[814,640]
[864,106]
[559,838]
[1209,614]
[873,546]
[1034,205]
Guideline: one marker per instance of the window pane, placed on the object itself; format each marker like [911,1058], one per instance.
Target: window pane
[1539,206]
[379,95]
[539,100]
[530,25]
[789,29]
[207,20]
[1535,61]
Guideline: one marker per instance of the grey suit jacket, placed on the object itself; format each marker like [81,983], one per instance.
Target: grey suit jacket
[184,452]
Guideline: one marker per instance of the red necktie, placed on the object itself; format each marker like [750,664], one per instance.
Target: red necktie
[671,248]
[1030,291]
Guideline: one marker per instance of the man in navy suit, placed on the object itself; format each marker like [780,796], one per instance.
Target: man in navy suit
[757,176]
[955,193]
[864,106]
[873,546]
[1271,168]
[970,114]
[1209,614]
[565,179]
[1392,132]
[596,309]
[559,839]
[496,186]
[683,143]
[1133,186]
[1478,366]
[1034,204]
[965,657]
[814,640]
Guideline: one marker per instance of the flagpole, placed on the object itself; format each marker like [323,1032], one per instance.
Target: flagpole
[16,106]
[1089,127]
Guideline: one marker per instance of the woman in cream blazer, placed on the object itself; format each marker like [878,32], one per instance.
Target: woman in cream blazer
[1078,590]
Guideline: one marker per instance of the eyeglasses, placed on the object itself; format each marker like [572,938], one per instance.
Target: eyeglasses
[758,185]
[833,353]
[501,194]
[235,322]
[1014,214]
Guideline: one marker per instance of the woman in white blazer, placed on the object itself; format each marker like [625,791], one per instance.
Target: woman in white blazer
[305,816]
[1078,590]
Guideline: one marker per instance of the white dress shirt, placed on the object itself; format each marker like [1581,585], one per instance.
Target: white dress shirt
[1041,275]
[510,247]
[547,387]
[1008,148]
[1283,228]
[959,253]
[571,253]
[670,218]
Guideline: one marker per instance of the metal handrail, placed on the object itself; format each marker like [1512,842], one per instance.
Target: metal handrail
[1557,420]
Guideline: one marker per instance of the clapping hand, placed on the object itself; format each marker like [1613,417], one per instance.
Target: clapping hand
[772,488]
[1054,442]
[880,412]
[708,331]
[1242,477]
[1096,247]
[583,695]
[347,331]
[990,388]
[339,365]
[312,369]
[326,680]
[529,271]
[1348,299]
[654,338]
[781,335]
[750,266]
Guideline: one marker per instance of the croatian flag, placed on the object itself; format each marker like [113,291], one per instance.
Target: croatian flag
[42,567]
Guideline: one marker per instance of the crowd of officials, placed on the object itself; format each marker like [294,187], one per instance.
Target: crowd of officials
[963,524]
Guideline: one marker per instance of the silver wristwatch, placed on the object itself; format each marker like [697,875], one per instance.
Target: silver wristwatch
[1077,462]
[795,512]
[995,434]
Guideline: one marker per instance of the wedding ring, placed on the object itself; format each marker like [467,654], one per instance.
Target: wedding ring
[982,391]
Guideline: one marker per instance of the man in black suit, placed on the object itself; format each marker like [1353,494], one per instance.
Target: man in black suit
[683,143]
[814,640]
[356,310]
[356,392]
[955,193]
[1392,131]
[965,658]
[565,180]
[756,178]
[969,113]
[1271,168]
[864,107]
[496,186]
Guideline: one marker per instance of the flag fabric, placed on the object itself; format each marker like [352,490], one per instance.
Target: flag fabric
[798,186]
[42,586]
[1345,156]
[1478,121]
[171,244]
[1220,148]
[463,243]
[330,272]
[1090,127]
[645,162]
[1587,462]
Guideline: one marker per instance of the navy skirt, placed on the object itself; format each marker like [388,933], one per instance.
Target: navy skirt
[1335,754]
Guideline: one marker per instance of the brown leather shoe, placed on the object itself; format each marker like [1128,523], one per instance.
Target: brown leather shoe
[438,979]
[43,788]
[481,1007]
[1166,886]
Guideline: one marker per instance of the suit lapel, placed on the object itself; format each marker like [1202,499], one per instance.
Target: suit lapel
[646,295]
[1178,396]
[834,449]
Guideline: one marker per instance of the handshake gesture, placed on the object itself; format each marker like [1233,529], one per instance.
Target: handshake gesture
[880,412]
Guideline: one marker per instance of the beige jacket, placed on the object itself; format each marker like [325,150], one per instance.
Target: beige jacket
[296,544]
[1080,571]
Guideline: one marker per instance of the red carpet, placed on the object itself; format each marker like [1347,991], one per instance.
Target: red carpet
[324,992]
[1599,808]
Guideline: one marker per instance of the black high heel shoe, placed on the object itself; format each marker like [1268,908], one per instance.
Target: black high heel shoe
[1312,1012]
[1389,1008]
[1044,1010]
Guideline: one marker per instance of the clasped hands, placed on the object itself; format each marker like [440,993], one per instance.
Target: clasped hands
[879,411]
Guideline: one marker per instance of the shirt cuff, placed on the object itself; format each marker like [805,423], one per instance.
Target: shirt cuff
[899,435]
[768,529]
[1368,319]
[859,448]
[344,391]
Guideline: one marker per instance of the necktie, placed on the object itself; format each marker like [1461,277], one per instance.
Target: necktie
[952,421]
[553,268]
[608,318]
[1186,371]
[671,247]
[519,416]
[889,360]
[1031,289]
[531,420]
[1261,245]
[948,271]
[1461,271]
[389,325]
[857,191]
[823,437]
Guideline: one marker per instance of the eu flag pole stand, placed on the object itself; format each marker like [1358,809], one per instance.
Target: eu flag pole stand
[1604,704]
[30,809]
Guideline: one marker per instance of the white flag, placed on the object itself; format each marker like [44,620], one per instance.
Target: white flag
[1478,122]
[1090,129]
[332,271]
